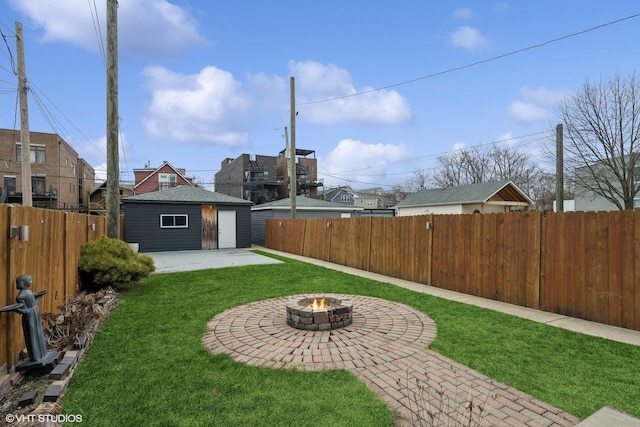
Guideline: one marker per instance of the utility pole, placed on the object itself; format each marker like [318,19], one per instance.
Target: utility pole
[113,169]
[294,176]
[559,169]
[25,136]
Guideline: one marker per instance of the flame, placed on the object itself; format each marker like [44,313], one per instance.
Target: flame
[319,304]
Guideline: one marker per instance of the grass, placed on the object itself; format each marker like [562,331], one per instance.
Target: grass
[147,366]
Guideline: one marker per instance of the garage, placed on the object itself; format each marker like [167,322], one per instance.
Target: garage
[186,218]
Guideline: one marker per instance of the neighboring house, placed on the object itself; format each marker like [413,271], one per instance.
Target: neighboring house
[98,198]
[498,196]
[305,208]
[340,195]
[567,205]
[268,178]
[60,179]
[373,198]
[588,200]
[376,198]
[186,218]
[154,179]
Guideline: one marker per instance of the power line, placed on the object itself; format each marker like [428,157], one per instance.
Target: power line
[432,156]
[98,30]
[473,64]
[53,122]
[9,53]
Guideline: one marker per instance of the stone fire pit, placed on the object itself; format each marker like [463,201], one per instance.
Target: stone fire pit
[320,313]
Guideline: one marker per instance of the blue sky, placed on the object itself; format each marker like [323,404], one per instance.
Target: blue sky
[201,81]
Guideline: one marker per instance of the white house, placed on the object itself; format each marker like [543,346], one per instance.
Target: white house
[497,196]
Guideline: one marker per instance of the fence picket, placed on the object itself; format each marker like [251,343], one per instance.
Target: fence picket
[583,264]
[50,256]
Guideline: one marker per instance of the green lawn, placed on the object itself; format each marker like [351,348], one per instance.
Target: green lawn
[147,366]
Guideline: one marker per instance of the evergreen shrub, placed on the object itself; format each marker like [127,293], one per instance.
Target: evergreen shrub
[107,262]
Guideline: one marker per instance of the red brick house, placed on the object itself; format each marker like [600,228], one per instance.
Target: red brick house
[166,176]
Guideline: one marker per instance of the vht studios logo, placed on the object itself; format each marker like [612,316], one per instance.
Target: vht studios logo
[43,418]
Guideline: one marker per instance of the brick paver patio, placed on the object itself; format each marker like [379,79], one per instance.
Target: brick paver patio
[386,347]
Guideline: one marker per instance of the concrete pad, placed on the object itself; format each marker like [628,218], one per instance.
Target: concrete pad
[174,261]
[610,417]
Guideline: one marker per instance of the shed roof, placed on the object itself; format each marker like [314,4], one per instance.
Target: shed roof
[304,203]
[187,194]
[465,194]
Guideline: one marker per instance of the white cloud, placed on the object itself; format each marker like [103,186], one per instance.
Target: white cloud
[463,13]
[360,163]
[468,38]
[526,113]
[535,105]
[319,82]
[543,96]
[153,28]
[201,107]
[204,107]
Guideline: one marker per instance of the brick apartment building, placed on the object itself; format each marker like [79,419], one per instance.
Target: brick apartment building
[59,178]
[265,179]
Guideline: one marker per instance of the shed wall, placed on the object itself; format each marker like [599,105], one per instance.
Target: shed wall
[142,225]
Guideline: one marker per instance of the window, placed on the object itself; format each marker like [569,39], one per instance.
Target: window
[174,221]
[10,184]
[37,153]
[38,185]
[345,198]
[166,180]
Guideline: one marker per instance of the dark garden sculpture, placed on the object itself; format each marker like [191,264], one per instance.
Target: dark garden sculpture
[27,306]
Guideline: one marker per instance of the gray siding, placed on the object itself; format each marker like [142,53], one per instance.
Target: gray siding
[259,217]
[258,220]
[142,225]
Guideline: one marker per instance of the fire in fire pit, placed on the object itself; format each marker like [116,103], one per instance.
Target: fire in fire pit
[318,304]
[319,313]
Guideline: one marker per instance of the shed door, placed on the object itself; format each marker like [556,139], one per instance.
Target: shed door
[226,229]
[209,227]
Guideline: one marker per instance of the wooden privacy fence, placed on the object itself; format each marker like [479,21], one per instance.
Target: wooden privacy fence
[50,255]
[580,264]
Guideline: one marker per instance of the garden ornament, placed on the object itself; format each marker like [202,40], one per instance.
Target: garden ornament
[27,306]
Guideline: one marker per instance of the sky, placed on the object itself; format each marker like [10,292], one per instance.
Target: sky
[381,88]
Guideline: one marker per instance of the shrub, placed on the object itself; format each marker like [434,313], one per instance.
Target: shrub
[111,262]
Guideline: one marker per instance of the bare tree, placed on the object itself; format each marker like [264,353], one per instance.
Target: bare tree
[419,180]
[489,163]
[480,164]
[602,134]
[452,169]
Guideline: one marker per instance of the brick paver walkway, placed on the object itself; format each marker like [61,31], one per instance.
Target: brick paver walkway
[386,347]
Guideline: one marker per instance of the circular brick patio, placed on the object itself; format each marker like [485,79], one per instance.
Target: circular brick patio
[258,334]
[386,346]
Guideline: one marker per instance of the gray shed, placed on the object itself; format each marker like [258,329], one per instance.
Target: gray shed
[305,208]
[186,218]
